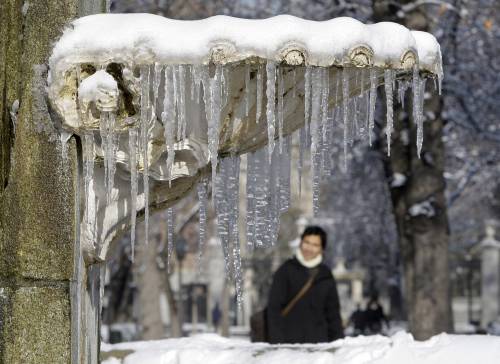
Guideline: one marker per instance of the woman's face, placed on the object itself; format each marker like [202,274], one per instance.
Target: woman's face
[311,247]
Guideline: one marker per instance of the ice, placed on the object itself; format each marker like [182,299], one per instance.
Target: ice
[373,100]
[132,138]
[168,119]
[388,85]
[294,82]
[307,99]
[316,104]
[271,105]
[88,160]
[170,237]
[180,85]
[325,85]
[418,85]
[247,89]
[285,160]
[202,201]
[261,204]
[213,121]
[226,207]
[345,109]
[281,91]
[109,145]
[302,148]
[145,108]
[260,85]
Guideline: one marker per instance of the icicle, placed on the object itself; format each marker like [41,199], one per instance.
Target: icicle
[168,119]
[247,89]
[302,147]
[181,103]
[294,82]
[418,100]
[170,237]
[197,74]
[307,99]
[88,156]
[251,183]
[145,107]
[281,91]
[274,196]
[222,209]
[132,135]
[104,133]
[285,160]
[259,94]
[345,106]
[373,99]
[233,184]
[202,201]
[325,86]
[388,83]
[271,105]
[317,93]
[88,159]
[213,122]
[262,198]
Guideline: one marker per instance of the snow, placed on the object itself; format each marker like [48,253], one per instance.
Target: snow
[157,39]
[399,348]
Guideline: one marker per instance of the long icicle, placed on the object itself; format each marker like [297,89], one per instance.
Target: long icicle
[388,85]
[260,85]
[202,201]
[145,108]
[168,120]
[271,105]
[372,102]
[132,135]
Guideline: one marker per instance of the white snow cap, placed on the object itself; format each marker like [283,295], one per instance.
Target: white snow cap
[147,38]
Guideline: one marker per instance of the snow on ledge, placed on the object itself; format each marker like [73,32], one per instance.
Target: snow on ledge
[397,349]
[148,38]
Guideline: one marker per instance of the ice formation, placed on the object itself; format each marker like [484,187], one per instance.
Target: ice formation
[170,100]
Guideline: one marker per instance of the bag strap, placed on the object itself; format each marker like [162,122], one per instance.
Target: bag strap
[299,295]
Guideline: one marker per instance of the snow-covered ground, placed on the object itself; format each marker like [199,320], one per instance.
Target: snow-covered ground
[397,349]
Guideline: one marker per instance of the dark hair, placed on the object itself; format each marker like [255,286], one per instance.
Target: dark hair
[315,230]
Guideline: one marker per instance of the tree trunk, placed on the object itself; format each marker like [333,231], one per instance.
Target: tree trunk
[38,193]
[423,237]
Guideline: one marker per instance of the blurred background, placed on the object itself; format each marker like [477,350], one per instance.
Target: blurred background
[368,209]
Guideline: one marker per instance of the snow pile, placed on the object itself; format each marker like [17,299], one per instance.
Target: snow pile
[147,38]
[400,348]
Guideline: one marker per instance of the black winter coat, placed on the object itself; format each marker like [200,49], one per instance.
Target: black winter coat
[316,316]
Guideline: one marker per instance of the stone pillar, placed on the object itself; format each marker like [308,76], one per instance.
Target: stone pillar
[490,281]
[38,192]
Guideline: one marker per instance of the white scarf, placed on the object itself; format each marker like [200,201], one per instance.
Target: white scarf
[308,263]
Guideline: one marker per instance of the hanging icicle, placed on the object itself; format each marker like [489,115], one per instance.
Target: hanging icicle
[260,85]
[247,89]
[373,100]
[281,91]
[388,83]
[271,105]
[168,119]
[170,237]
[145,109]
[345,110]
[202,201]
[132,139]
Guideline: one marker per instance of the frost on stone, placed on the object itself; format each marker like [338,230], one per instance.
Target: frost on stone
[162,104]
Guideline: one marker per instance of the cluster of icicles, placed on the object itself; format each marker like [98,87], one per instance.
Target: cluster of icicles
[329,103]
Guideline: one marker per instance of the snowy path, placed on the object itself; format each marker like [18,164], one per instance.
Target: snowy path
[399,348]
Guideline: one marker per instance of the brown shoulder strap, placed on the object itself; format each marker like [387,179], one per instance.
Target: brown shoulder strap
[299,295]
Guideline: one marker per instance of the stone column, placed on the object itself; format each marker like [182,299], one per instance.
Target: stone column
[38,191]
[490,281]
